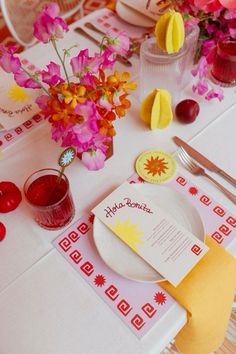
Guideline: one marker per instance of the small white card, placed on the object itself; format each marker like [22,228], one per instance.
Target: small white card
[153,234]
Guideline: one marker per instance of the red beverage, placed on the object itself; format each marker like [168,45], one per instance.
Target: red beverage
[49,198]
[224,65]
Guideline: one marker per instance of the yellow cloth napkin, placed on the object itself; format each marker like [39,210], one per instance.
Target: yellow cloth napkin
[207,294]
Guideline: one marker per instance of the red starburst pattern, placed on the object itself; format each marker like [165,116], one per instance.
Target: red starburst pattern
[141,180]
[91,218]
[99,280]
[160,298]
[193,190]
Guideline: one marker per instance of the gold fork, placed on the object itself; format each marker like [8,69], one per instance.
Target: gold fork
[197,170]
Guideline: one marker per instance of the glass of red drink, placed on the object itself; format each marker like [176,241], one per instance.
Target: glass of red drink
[224,64]
[49,198]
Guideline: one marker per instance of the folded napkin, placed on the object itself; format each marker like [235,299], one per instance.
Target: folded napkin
[207,294]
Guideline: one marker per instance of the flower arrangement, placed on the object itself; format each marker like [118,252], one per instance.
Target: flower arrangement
[83,106]
[216,19]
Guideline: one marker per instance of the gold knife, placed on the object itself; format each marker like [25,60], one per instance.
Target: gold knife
[87,35]
[203,160]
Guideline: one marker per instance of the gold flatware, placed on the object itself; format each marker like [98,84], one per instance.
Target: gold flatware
[203,160]
[197,170]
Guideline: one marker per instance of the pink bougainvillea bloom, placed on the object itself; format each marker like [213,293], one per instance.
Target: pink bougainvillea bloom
[49,25]
[8,62]
[200,88]
[117,42]
[53,75]
[217,92]
[229,4]
[23,80]
[93,160]
[83,63]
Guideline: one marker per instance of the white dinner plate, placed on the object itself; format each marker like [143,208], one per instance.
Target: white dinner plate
[119,257]
[133,17]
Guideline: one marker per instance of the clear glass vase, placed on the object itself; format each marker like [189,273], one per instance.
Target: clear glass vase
[172,72]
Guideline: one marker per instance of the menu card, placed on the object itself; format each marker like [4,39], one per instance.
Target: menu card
[150,232]
[17,104]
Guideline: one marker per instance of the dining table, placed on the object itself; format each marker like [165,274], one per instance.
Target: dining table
[46,307]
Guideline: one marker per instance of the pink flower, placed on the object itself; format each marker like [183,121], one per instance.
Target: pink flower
[83,63]
[108,59]
[200,88]
[86,109]
[42,101]
[201,68]
[48,25]
[93,160]
[228,4]
[53,75]
[208,5]
[8,62]
[23,80]
[117,42]
[217,92]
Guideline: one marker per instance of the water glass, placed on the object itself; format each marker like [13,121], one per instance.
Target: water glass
[224,63]
[49,198]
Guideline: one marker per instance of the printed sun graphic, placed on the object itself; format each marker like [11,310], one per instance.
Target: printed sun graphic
[99,280]
[193,190]
[16,93]
[156,166]
[160,298]
[128,233]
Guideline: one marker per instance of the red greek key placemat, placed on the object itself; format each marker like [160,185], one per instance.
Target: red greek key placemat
[142,311]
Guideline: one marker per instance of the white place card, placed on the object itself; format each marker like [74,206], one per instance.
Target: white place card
[150,232]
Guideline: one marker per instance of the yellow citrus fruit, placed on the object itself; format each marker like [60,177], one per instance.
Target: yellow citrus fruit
[169,32]
[156,109]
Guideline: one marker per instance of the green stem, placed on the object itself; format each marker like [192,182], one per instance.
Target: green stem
[61,60]
[38,82]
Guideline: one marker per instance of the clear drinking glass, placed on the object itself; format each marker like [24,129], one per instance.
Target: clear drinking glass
[172,72]
[49,198]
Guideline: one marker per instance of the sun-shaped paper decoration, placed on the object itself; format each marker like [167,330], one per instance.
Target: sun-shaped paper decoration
[193,190]
[99,280]
[91,218]
[160,298]
[16,93]
[128,233]
[155,166]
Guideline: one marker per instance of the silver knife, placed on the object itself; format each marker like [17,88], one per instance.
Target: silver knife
[203,160]
[87,35]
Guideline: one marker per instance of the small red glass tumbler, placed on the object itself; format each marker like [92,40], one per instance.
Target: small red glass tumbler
[49,198]
[224,64]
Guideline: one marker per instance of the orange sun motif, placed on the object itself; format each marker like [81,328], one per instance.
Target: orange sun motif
[99,280]
[193,190]
[156,166]
[160,298]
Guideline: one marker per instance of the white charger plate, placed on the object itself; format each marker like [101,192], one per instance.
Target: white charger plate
[120,258]
[133,17]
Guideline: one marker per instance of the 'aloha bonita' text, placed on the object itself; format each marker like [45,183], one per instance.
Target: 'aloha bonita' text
[110,211]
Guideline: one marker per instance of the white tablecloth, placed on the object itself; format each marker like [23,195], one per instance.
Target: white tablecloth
[45,307]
